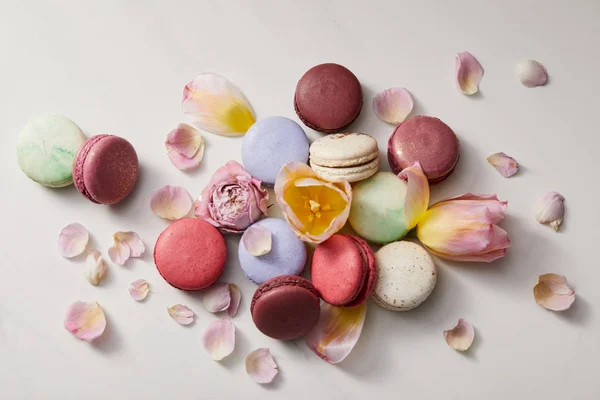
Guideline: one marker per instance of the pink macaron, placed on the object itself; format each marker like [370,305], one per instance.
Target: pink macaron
[343,270]
[190,254]
[427,140]
[106,169]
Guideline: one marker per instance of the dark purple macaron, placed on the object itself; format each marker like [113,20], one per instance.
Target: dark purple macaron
[106,169]
[427,140]
[328,98]
[285,307]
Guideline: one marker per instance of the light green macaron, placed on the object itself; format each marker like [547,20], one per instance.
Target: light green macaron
[46,150]
[377,212]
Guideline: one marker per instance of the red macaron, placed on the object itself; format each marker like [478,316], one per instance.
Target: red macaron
[190,254]
[343,270]
[106,169]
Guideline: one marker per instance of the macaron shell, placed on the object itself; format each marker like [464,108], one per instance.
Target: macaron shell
[269,144]
[343,150]
[371,278]
[286,307]
[287,255]
[406,276]
[351,174]
[46,150]
[79,163]
[190,254]
[427,140]
[339,270]
[328,98]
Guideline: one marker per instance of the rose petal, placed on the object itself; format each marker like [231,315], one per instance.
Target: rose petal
[95,267]
[85,320]
[257,240]
[461,336]
[185,147]
[171,202]
[73,240]
[468,73]
[126,245]
[217,298]
[218,339]
[181,314]
[417,194]
[139,289]
[506,165]
[531,73]
[260,366]
[217,106]
[550,209]
[393,105]
[553,292]
[337,331]
[236,297]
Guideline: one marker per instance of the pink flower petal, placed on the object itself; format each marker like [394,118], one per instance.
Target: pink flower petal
[171,202]
[553,292]
[506,165]
[181,314]
[337,331]
[217,106]
[468,73]
[217,298]
[550,209]
[218,339]
[236,297]
[126,245]
[73,240]
[393,105]
[185,147]
[531,73]
[417,194]
[257,240]
[139,289]
[85,320]
[260,366]
[461,336]
[95,267]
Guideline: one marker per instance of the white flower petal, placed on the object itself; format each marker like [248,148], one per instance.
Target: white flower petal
[236,297]
[181,314]
[139,289]
[126,245]
[461,336]
[218,339]
[531,73]
[73,240]
[550,209]
[257,240]
[171,202]
[261,366]
[95,267]
[553,292]
[217,298]
[393,105]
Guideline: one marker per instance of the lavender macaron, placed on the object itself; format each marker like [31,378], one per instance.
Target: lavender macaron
[269,144]
[286,257]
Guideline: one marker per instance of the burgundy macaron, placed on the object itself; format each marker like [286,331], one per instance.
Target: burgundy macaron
[343,270]
[190,254]
[328,98]
[427,140]
[285,307]
[106,169]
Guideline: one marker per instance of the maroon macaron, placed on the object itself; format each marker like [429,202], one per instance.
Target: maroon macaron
[190,254]
[285,307]
[328,98]
[106,169]
[343,270]
[427,140]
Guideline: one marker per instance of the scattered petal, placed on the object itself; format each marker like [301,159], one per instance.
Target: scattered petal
[260,366]
[95,267]
[126,245]
[73,240]
[337,331]
[236,297]
[461,336]
[257,240]
[531,73]
[85,320]
[553,292]
[468,73]
[417,194]
[505,164]
[217,106]
[218,339]
[171,202]
[393,105]
[550,209]
[222,296]
[139,289]
[185,147]
[181,314]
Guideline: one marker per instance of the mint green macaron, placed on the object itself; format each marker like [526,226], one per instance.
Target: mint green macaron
[377,212]
[46,150]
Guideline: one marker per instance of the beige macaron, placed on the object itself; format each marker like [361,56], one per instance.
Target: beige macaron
[406,276]
[351,156]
